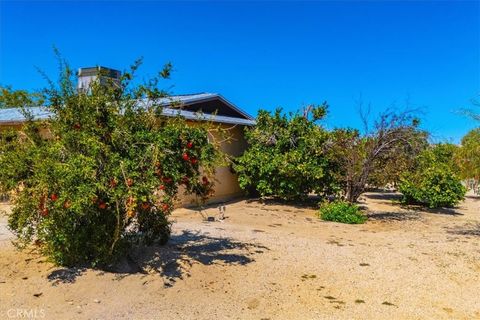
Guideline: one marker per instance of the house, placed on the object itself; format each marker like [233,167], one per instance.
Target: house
[194,107]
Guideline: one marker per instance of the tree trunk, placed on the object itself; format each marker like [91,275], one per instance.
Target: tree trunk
[353,192]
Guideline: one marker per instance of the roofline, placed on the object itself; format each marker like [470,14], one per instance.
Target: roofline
[249,117]
[44,115]
[214,96]
[190,115]
[16,122]
[167,112]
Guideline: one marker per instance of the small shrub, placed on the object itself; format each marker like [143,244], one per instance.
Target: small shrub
[435,188]
[342,211]
[434,182]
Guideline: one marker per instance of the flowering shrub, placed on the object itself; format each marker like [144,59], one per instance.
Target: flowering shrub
[104,171]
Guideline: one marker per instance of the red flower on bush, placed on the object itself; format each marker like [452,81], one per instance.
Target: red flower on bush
[167,180]
[112,142]
[130,200]
[194,160]
[44,212]
[204,180]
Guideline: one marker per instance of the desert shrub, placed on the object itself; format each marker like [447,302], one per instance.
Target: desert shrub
[341,211]
[468,158]
[375,154]
[286,156]
[434,182]
[106,173]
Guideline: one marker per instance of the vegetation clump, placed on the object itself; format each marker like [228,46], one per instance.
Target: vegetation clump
[291,156]
[435,181]
[468,159]
[369,156]
[287,156]
[341,211]
[104,171]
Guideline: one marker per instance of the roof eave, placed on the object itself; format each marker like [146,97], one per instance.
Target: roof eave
[249,117]
[13,122]
[214,96]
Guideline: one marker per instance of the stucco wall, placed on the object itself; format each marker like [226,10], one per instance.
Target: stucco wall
[44,132]
[226,182]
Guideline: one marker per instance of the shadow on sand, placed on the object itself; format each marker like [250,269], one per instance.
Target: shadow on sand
[393,216]
[409,213]
[311,202]
[173,260]
[388,216]
[444,211]
[389,196]
[473,197]
[65,275]
[469,229]
[413,209]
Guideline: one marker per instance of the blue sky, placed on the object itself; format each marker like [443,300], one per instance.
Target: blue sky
[267,54]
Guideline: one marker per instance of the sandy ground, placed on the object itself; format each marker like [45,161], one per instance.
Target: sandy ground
[270,261]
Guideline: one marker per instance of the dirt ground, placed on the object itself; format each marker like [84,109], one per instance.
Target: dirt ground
[269,261]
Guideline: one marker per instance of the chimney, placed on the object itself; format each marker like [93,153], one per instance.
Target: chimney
[87,75]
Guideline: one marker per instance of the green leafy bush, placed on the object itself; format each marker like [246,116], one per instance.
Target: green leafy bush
[468,157]
[341,211]
[435,181]
[103,172]
[286,157]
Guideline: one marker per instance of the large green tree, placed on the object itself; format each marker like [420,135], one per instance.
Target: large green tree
[287,155]
[104,171]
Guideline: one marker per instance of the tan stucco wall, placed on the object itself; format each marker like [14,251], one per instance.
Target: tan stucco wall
[44,132]
[226,183]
